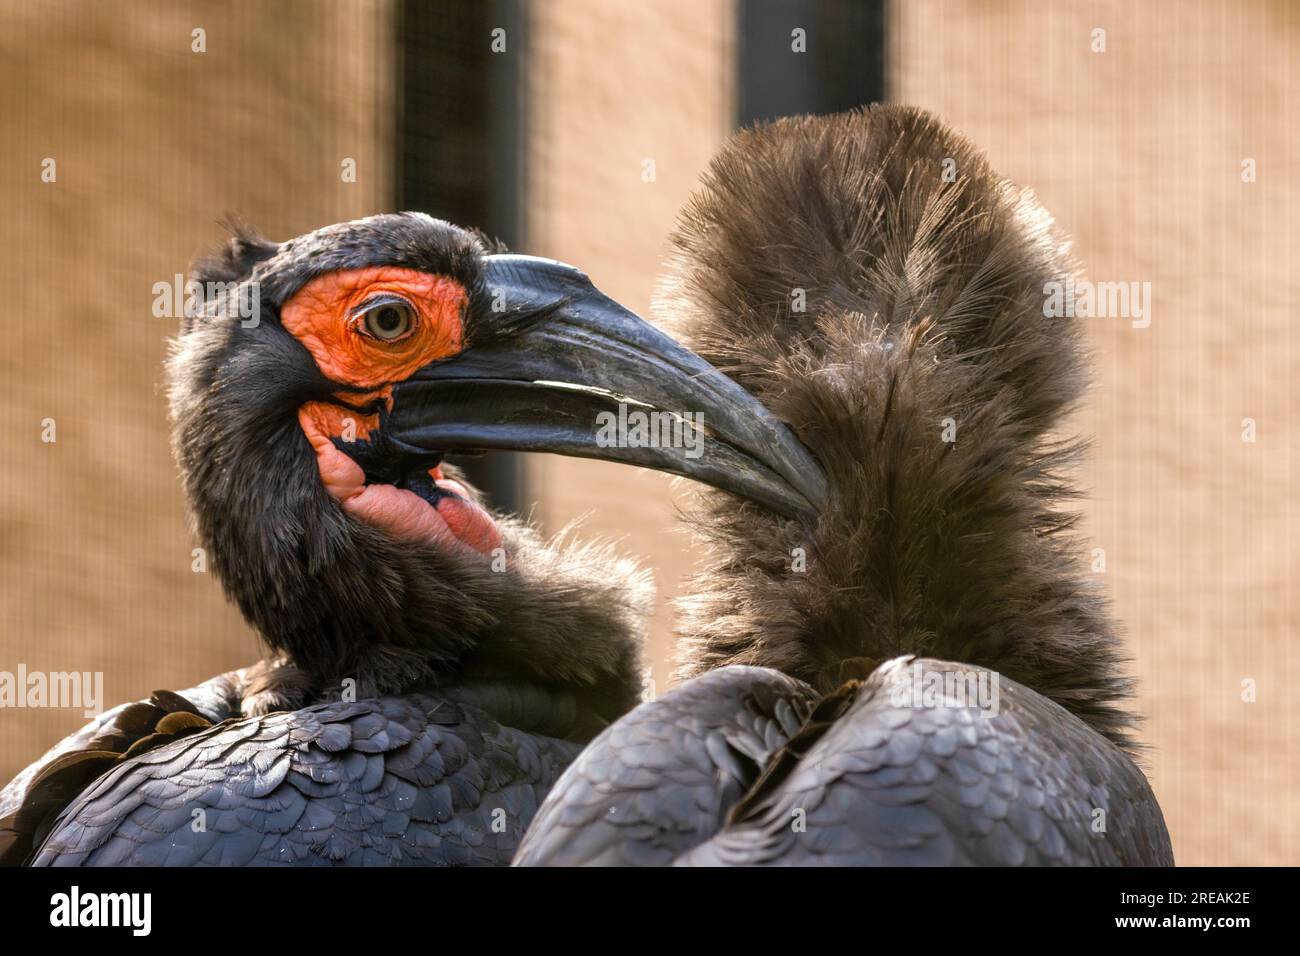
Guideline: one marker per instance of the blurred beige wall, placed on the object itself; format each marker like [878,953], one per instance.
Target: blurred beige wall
[613,88]
[1138,153]
[152,144]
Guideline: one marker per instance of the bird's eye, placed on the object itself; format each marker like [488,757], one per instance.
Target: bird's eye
[388,321]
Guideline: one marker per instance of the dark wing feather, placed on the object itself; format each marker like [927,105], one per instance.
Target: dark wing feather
[416,779]
[893,783]
[869,779]
[32,801]
[660,779]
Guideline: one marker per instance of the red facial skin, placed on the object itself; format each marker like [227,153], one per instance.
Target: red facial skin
[323,315]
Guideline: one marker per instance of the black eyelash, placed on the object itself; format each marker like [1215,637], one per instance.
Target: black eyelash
[374,302]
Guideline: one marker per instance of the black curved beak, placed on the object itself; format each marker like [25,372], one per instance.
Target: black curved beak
[574,373]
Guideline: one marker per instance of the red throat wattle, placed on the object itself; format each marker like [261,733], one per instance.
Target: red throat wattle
[322,315]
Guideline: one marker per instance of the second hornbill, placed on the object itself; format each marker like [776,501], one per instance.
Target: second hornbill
[433,667]
[930,674]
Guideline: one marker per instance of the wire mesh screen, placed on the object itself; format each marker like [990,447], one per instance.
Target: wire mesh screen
[129,131]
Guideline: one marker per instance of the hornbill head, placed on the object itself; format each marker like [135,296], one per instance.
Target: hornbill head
[316,392]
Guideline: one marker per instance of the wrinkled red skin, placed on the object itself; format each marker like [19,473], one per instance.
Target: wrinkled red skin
[321,316]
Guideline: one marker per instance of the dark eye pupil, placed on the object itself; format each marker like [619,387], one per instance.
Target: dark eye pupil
[388,321]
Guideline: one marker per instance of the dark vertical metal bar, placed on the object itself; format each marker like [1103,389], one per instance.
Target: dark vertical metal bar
[460,148]
[842,64]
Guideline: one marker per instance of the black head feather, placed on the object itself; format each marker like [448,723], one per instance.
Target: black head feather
[338,598]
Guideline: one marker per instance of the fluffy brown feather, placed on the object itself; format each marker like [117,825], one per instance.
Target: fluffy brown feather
[923,301]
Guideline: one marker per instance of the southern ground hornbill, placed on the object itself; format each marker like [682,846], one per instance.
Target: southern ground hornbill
[433,667]
[832,269]
[929,675]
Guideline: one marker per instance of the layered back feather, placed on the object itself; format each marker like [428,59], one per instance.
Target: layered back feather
[880,288]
